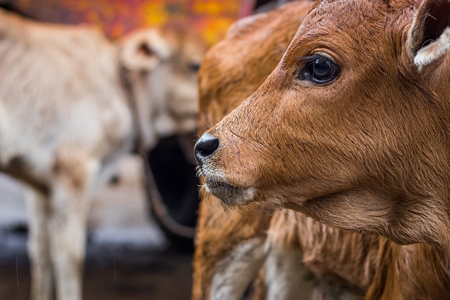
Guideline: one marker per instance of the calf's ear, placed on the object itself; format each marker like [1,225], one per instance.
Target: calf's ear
[144,50]
[429,36]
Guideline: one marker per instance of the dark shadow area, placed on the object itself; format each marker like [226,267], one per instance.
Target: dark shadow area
[177,183]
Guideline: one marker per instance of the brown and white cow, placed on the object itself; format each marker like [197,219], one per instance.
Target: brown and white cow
[382,268]
[65,122]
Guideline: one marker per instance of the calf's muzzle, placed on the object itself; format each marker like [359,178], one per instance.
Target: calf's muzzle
[206,146]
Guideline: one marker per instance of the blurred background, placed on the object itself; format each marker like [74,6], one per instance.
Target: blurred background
[130,252]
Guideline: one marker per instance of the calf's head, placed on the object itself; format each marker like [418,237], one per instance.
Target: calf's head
[352,127]
[163,65]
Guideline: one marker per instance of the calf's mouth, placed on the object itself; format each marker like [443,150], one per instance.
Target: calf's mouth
[229,194]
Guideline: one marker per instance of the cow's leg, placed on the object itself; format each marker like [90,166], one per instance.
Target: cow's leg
[230,249]
[69,203]
[285,274]
[285,269]
[238,270]
[38,246]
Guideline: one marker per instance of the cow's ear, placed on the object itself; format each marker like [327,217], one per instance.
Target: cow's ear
[144,50]
[429,36]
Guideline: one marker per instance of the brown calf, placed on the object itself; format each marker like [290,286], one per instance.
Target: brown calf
[351,128]
[65,123]
[386,270]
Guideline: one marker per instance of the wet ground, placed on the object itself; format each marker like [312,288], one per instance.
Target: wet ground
[156,276]
[127,255]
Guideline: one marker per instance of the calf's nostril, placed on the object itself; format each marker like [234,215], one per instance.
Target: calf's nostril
[206,146]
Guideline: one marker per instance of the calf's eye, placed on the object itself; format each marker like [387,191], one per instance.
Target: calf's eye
[194,67]
[318,69]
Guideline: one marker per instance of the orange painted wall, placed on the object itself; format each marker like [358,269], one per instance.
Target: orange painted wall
[117,17]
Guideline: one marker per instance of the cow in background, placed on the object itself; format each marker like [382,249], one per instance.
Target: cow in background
[66,120]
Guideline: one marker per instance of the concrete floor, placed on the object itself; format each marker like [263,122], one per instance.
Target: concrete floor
[127,255]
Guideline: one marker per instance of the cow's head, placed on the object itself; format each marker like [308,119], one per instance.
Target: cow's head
[352,127]
[163,65]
